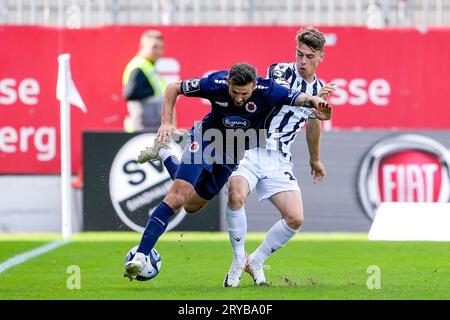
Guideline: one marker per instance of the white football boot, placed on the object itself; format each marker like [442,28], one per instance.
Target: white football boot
[151,153]
[233,276]
[135,266]
[256,271]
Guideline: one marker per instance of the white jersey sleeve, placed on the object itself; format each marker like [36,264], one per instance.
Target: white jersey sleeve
[288,122]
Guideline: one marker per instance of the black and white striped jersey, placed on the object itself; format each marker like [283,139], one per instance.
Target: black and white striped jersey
[287,123]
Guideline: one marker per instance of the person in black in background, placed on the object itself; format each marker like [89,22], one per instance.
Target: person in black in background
[143,86]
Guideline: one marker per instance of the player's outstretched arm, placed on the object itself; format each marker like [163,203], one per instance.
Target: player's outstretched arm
[313,134]
[320,107]
[166,129]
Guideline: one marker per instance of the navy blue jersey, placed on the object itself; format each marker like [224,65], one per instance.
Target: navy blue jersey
[256,114]
[224,114]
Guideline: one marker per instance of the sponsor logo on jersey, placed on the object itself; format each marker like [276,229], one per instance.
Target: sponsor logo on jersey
[221,103]
[235,122]
[250,107]
[305,112]
[404,168]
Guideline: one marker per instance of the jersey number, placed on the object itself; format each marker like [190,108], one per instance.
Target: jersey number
[291,177]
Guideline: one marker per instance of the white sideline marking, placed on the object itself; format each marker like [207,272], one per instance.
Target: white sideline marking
[20,258]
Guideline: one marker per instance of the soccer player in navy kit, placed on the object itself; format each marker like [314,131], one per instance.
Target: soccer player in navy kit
[239,101]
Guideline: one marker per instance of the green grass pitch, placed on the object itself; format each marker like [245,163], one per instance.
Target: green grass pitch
[310,266]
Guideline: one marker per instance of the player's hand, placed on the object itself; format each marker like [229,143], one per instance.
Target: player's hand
[320,107]
[327,90]
[317,170]
[323,111]
[165,132]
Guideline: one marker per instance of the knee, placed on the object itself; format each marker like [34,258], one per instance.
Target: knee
[238,191]
[236,199]
[175,199]
[294,222]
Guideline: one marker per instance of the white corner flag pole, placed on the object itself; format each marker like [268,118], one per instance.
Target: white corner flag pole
[67,94]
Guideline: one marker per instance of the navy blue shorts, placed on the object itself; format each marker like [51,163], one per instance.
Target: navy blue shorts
[206,183]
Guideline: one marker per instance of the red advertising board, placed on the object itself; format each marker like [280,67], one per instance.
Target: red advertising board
[391,78]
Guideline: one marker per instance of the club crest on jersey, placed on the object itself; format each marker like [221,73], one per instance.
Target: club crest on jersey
[235,122]
[194,147]
[250,107]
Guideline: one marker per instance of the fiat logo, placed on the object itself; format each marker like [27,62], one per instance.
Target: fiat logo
[404,168]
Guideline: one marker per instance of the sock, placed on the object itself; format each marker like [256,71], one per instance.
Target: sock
[165,153]
[171,164]
[237,228]
[155,227]
[276,237]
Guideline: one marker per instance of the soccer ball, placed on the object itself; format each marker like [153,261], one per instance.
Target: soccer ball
[152,265]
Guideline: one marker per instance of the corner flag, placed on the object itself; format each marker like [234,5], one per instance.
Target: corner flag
[67,94]
[65,88]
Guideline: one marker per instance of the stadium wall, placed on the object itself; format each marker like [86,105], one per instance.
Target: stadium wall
[337,202]
[380,83]
[413,172]
[381,87]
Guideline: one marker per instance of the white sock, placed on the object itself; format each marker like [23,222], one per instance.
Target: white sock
[165,153]
[276,237]
[237,228]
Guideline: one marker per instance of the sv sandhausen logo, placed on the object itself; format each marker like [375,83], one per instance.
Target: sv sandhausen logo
[236,122]
[136,189]
[404,168]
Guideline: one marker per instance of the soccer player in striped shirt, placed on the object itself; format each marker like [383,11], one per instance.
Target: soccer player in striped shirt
[269,169]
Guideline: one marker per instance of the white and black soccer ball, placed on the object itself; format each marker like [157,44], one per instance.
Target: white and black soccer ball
[152,265]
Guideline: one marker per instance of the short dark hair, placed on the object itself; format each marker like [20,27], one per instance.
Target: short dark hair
[242,74]
[151,34]
[311,37]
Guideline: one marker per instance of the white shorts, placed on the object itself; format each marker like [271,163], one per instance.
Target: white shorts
[268,171]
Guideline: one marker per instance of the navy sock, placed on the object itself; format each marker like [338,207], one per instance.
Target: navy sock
[156,226]
[171,164]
